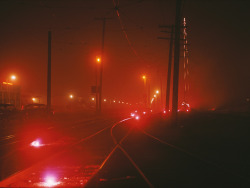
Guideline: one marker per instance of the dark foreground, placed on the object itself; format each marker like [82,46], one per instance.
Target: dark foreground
[202,150]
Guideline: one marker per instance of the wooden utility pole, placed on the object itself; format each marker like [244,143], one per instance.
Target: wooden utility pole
[101,67]
[102,62]
[176,58]
[96,90]
[49,73]
[169,69]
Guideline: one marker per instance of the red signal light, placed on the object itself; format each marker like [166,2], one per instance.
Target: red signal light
[35,143]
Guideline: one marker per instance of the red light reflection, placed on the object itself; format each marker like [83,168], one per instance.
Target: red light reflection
[50,181]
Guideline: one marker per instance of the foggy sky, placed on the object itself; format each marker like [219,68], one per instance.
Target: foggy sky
[218,33]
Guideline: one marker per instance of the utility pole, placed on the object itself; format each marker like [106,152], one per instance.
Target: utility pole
[161,105]
[49,73]
[96,90]
[102,61]
[148,97]
[169,61]
[101,68]
[169,69]
[176,59]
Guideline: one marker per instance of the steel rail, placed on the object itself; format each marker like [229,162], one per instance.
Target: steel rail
[118,146]
[27,171]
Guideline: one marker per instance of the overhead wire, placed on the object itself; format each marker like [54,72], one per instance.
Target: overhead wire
[116,8]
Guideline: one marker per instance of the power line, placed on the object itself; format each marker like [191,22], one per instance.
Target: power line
[116,7]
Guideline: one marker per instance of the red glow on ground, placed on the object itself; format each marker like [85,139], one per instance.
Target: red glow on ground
[50,181]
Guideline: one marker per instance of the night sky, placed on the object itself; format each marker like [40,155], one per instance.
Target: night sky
[218,34]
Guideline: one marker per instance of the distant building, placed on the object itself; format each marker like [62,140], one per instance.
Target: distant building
[10,94]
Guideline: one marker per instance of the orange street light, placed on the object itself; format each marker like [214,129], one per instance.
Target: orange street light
[157,91]
[144,77]
[98,59]
[71,96]
[13,77]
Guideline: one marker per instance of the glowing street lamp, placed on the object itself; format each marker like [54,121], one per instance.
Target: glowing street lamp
[145,88]
[97,91]
[8,83]
[157,91]
[71,96]
[98,60]
[13,77]
[144,77]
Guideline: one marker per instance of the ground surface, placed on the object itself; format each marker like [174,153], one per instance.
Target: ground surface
[202,150]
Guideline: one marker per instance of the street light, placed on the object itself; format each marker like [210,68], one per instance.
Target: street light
[13,77]
[157,91]
[33,99]
[98,60]
[71,96]
[145,88]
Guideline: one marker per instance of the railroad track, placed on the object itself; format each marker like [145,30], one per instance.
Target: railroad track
[75,125]
[118,146]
